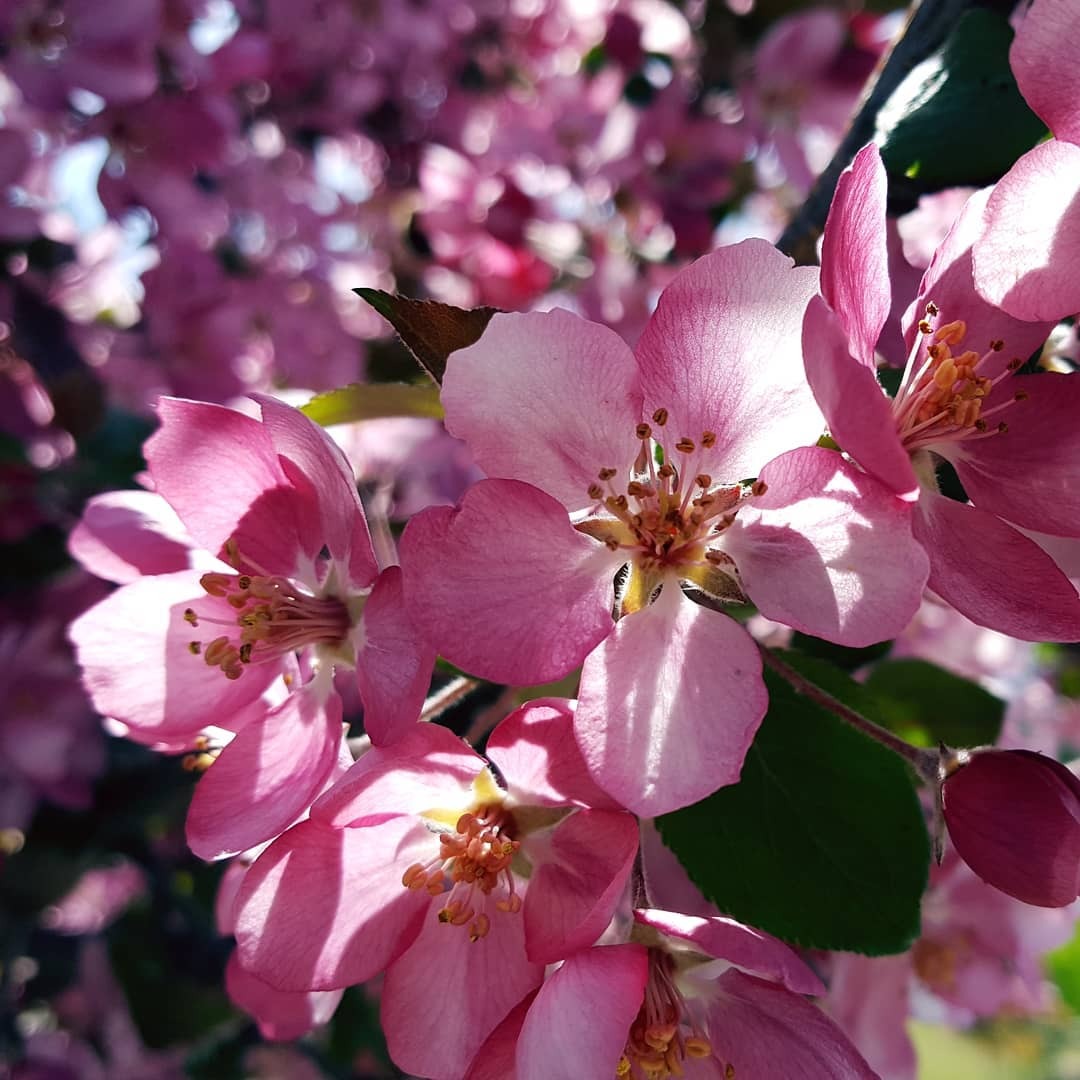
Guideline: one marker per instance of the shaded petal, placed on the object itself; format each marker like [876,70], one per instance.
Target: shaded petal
[538,755]
[267,776]
[859,414]
[548,398]
[323,908]
[445,996]
[393,664]
[669,705]
[496,1059]
[854,254]
[504,586]
[579,875]
[722,353]
[666,880]
[729,940]
[1029,474]
[1025,260]
[281,1015]
[993,574]
[138,668]
[1044,64]
[580,1020]
[769,1033]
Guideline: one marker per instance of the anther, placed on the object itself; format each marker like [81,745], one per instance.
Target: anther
[479,928]
[660,417]
[194,647]
[981,425]
[708,439]
[1020,395]
[924,326]
[607,474]
[997,345]
[666,470]
[245,652]
[698,1048]
[1015,364]
[685,446]
[643,431]
[1002,428]
[931,309]
[596,491]
[703,480]
[190,617]
[758,487]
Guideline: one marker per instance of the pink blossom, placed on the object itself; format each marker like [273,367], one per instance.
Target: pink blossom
[1012,439]
[516,584]
[410,865]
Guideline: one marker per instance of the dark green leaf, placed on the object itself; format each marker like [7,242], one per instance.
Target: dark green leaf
[822,842]
[841,655]
[926,705]
[430,330]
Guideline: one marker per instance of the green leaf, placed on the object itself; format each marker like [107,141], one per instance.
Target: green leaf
[1063,967]
[958,117]
[841,655]
[368,401]
[926,705]
[431,331]
[822,842]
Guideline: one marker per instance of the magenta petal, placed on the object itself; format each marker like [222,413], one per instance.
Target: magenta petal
[1045,65]
[1014,817]
[669,705]
[547,398]
[496,1059]
[578,1024]
[858,412]
[324,908]
[266,777]
[504,586]
[393,664]
[445,996]
[722,353]
[282,1015]
[827,550]
[538,755]
[580,874]
[1032,240]
[729,940]
[854,254]
[993,574]
[1029,474]
[769,1033]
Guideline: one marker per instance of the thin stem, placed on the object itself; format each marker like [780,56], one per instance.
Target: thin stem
[449,695]
[924,762]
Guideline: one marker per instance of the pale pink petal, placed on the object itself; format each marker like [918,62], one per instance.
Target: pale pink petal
[496,1059]
[854,254]
[427,768]
[726,939]
[123,535]
[769,1033]
[281,1015]
[993,574]
[393,664]
[858,412]
[267,776]
[445,996]
[1023,261]
[538,755]
[137,666]
[1029,474]
[666,880]
[1044,64]
[669,705]
[545,397]
[827,550]
[323,908]
[504,586]
[579,1022]
[722,353]
[580,874]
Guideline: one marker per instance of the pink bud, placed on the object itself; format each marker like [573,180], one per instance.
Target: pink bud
[1014,817]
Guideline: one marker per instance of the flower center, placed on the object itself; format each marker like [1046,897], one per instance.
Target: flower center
[937,962]
[663,1035]
[942,401]
[473,862]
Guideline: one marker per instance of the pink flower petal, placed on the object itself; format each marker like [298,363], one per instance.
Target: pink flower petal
[504,586]
[729,940]
[854,254]
[722,353]
[538,755]
[828,550]
[267,776]
[993,574]
[138,668]
[393,665]
[858,412]
[1032,238]
[497,1058]
[580,874]
[323,908]
[669,705]
[580,1020]
[547,398]
[282,1015]
[445,996]
[1045,67]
